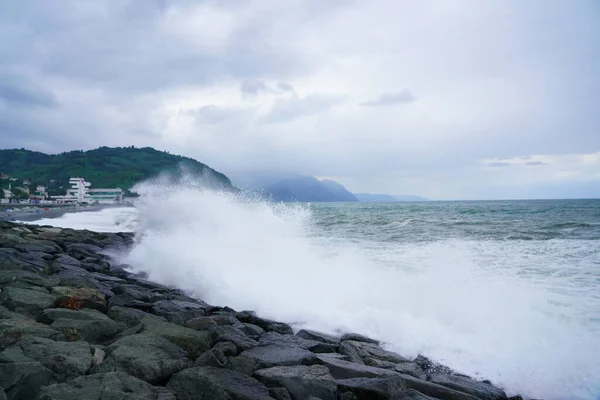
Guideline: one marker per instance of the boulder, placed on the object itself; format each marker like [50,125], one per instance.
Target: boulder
[65,259]
[25,279]
[243,364]
[26,301]
[277,339]
[409,368]
[412,394]
[431,367]
[12,330]
[130,316]
[212,358]
[88,298]
[251,330]
[267,324]
[86,324]
[382,388]
[216,384]
[358,351]
[106,386]
[194,342]
[23,380]
[177,311]
[65,360]
[481,390]
[280,393]
[2,394]
[148,357]
[50,315]
[228,348]
[202,323]
[233,335]
[134,292]
[79,278]
[358,338]
[274,356]
[301,381]
[318,337]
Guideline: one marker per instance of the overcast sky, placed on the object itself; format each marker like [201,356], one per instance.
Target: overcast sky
[445,99]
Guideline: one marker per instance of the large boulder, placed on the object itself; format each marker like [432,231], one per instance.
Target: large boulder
[274,356]
[178,312]
[267,324]
[318,336]
[277,339]
[26,301]
[106,386]
[14,329]
[25,279]
[194,342]
[23,380]
[86,324]
[130,316]
[482,390]
[358,351]
[148,356]
[216,384]
[301,381]
[382,388]
[233,335]
[358,338]
[87,298]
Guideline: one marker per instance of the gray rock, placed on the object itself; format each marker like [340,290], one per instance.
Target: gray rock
[66,360]
[275,356]
[228,348]
[18,278]
[280,393]
[412,394]
[409,368]
[434,390]
[50,315]
[177,311]
[251,330]
[216,384]
[342,369]
[212,358]
[385,387]
[194,342]
[358,351]
[267,324]
[431,367]
[233,335]
[130,316]
[243,364]
[12,330]
[5,313]
[89,325]
[481,390]
[67,260]
[106,386]
[138,293]
[2,394]
[301,381]
[26,301]
[318,337]
[23,380]
[358,338]
[79,278]
[90,298]
[148,357]
[202,323]
[277,339]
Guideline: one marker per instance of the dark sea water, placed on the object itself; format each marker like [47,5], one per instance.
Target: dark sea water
[503,290]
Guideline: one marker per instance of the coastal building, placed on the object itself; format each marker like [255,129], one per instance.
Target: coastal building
[81,193]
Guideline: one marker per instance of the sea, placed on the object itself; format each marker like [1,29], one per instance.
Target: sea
[502,290]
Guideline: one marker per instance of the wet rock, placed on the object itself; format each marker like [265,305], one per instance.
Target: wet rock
[177,311]
[267,324]
[202,323]
[212,358]
[90,298]
[89,325]
[280,393]
[25,279]
[434,390]
[111,385]
[149,357]
[358,338]
[342,369]
[250,330]
[243,364]
[358,351]
[194,342]
[233,335]
[409,368]
[79,278]
[382,388]
[216,384]
[137,293]
[130,316]
[67,260]
[228,348]
[23,380]
[431,367]
[274,356]
[65,360]
[301,381]
[2,394]
[50,315]
[480,390]
[14,329]
[26,301]
[277,339]
[412,394]
[318,337]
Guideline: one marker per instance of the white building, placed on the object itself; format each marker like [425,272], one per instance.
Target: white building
[80,193]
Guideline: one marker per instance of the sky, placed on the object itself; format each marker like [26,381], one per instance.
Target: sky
[461,99]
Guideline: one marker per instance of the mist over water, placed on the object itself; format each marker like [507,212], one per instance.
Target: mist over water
[504,291]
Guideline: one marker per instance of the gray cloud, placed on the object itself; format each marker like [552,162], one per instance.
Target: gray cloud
[389,99]
[289,109]
[534,163]
[213,115]
[18,91]
[498,164]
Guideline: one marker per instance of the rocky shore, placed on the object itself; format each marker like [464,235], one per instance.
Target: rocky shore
[74,324]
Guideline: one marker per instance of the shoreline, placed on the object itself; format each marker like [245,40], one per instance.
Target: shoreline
[30,213]
[61,294]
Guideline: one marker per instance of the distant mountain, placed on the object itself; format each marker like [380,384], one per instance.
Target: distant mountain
[104,167]
[386,198]
[307,189]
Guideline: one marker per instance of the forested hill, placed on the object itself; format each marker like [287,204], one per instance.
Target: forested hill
[104,167]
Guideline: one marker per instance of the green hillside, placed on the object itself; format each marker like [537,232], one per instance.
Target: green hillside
[104,167]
